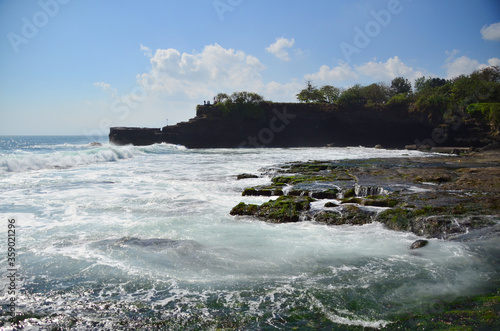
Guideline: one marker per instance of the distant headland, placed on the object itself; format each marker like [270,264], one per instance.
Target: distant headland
[461,112]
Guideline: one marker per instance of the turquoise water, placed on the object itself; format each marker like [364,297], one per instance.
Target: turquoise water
[127,237]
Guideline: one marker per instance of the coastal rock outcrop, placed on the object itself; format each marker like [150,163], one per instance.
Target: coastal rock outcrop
[285,209]
[439,197]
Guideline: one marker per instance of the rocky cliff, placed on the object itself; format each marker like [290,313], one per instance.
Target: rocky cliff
[307,125]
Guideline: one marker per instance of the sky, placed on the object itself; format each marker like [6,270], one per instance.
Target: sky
[77,67]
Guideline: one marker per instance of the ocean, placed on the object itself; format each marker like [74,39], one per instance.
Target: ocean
[127,237]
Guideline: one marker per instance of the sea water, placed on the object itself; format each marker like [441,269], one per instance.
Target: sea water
[124,237]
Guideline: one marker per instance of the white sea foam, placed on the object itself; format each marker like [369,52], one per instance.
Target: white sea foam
[78,155]
[76,206]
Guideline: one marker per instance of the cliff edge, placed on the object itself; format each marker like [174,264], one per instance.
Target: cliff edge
[269,124]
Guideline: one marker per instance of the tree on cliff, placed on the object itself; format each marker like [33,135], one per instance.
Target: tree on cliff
[330,93]
[375,93]
[310,94]
[222,97]
[351,97]
[246,97]
[400,85]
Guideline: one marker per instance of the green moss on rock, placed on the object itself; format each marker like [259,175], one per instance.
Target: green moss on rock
[285,209]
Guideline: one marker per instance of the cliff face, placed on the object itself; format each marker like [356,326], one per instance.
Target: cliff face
[302,125]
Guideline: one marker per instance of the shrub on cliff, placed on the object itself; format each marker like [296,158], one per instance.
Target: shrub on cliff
[488,111]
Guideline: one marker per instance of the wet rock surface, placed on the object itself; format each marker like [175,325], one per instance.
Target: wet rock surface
[434,197]
[419,244]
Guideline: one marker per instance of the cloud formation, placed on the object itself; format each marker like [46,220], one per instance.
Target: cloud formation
[341,72]
[491,32]
[278,48]
[464,65]
[146,51]
[106,87]
[378,71]
[198,74]
[387,71]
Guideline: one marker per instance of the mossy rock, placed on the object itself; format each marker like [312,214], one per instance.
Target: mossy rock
[327,194]
[285,209]
[266,191]
[309,167]
[356,216]
[380,203]
[348,215]
[342,175]
[298,193]
[329,217]
[396,219]
[349,193]
[244,209]
[352,200]
[468,313]
[246,176]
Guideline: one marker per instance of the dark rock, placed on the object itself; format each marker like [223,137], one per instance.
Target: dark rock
[298,193]
[364,191]
[419,243]
[346,215]
[265,191]
[379,146]
[327,194]
[95,144]
[285,209]
[246,176]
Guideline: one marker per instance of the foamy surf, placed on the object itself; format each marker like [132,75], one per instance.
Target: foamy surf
[139,237]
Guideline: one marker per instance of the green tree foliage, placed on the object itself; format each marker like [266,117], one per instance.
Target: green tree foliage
[246,97]
[310,94]
[330,93]
[399,100]
[222,97]
[239,105]
[400,85]
[375,93]
[477,94]
[351,97]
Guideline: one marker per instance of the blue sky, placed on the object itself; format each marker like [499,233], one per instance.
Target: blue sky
[77,67]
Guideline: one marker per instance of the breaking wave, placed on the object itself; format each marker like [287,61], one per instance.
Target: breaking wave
[22,161]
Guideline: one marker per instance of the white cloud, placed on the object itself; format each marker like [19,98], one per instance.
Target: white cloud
[491,32]
[278,48]
[340,73]
[387,71]
[213,70]
[460,66]
[465,66]
[374,71]
[107,88]
[494,61]
[147,51]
